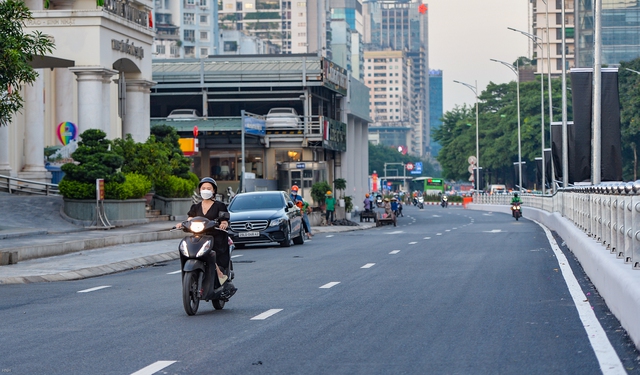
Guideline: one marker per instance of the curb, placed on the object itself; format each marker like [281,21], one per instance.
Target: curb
[88,272]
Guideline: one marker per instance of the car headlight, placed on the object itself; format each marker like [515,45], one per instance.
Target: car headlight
[183,248]
[197,227]
[276,222]
[204,249]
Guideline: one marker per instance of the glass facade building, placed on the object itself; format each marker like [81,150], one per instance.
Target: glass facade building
[435,106]
[620,31]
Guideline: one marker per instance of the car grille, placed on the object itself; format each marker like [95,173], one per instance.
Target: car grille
[249,226]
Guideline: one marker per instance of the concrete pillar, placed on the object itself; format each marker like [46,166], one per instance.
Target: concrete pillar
[5,166]
[64,96]
[34,132]
[137,118]
[89,97]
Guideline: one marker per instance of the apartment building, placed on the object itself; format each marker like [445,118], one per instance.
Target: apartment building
[185,28]
[547,15]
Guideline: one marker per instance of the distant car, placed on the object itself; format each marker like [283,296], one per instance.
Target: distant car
[265,217]
[184,114]
[282,117]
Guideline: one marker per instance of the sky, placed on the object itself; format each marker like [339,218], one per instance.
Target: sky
[465,34]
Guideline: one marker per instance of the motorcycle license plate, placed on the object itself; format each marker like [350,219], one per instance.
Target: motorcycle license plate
[248,234]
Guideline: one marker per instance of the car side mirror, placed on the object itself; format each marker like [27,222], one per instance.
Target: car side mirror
[224,215]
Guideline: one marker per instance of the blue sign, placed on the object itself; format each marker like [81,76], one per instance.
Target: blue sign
[254,126]
[300,165]
[417,168]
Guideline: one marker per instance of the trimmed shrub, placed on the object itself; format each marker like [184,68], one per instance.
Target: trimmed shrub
[76,190]
[176,187]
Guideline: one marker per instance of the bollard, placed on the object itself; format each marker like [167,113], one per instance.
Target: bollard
[613,225]
[628,222]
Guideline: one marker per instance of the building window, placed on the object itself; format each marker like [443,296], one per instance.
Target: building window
[230,46]
[189,51]
[204,35]
[204,52]
[174,50]
[160,49]
[204,19]
[239,5]
[189,19]
[228,6]
[189,36]
[302,5]
[248,6]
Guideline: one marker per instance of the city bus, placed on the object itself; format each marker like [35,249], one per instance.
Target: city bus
[430,185]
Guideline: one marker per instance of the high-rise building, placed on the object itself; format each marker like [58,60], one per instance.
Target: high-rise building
[435,106]
[397,25]
[185,28]
[294,26]
[347,18]
[620,31]
[551,11]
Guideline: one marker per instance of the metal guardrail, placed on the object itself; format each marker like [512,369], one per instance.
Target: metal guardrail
[14,185]
[609,213]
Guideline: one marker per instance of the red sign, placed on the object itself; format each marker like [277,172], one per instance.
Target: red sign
[409,166]
[422,8]
[100,189]
[195,131]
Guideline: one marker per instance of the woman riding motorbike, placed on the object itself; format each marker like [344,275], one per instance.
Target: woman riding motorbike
[210,208]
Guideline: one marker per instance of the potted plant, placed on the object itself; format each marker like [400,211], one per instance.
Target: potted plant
[348,201]
[95,159]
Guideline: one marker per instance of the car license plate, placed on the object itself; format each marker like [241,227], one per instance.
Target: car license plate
[248,234]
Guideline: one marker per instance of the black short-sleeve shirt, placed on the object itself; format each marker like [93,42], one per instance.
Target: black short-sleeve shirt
[212,214]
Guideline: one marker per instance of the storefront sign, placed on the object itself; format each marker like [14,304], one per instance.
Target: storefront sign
[334,135]
[301,165]
[334,77]
[125,47]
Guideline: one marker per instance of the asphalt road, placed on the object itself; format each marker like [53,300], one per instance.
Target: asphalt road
[448,291]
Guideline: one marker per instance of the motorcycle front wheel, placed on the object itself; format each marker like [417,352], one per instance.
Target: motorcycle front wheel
[190,299]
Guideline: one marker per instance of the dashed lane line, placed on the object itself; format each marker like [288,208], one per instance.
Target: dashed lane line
[368,265]
[330,285]
[412,243]
[174,272]
[154,367]
[427,238]
[394,252]
[94,289]
[266,314]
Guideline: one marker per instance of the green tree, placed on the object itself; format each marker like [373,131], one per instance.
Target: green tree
[380,154]
[17,49]
[629,88]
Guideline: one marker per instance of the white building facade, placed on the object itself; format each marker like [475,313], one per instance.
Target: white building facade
[100,51]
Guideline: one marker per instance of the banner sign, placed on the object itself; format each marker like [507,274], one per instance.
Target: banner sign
[100,189]
[67,132]
[254,126]
[334,134]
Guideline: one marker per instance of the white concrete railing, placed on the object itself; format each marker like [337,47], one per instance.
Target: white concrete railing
[609,213]
[21,186]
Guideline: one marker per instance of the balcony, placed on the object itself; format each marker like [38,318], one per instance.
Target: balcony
[125,10]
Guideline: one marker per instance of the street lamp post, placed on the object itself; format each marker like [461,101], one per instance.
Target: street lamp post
[537,41]
[475,92]
[517,73]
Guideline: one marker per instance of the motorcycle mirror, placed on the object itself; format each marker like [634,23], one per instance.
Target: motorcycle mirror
[224,215]
[290,204]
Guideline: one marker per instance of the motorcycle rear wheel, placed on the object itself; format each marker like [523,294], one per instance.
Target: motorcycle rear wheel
[190,299]
[218,304]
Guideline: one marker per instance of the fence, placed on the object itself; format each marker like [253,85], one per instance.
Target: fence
[609,213]
[21,186]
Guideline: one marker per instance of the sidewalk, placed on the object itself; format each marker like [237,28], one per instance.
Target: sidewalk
[51,249]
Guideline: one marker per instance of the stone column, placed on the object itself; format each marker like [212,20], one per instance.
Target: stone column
[90,96]
[34,132]
[137,117]
[5,166]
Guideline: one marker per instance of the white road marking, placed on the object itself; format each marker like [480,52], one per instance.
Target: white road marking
[493,231]
[607,357]
[437,216]
[330,285]
[235,256]
[94,289]
[174,272]
[266,314]
[447,230]
[427,238]
[412,243]
[331,235]
[395,232]
[395,252]
[154,367]
[438,234]
[455,228]
[368,265]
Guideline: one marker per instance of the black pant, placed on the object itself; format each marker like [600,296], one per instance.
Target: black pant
[329,215]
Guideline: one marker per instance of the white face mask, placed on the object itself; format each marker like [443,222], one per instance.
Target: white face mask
[206,194]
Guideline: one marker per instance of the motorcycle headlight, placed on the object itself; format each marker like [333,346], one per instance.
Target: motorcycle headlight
[276,222]
[204,249]
[197,227]
[183,248]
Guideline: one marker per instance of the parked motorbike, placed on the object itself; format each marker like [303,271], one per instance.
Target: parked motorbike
[379,200]
[445,202]
[198,264]
[516,210]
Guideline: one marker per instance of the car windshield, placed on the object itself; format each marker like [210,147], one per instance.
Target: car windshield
[281,111]
[182,112]
[248,202]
